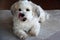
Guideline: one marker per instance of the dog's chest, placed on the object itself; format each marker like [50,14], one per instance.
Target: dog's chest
[23,25]
[26,25]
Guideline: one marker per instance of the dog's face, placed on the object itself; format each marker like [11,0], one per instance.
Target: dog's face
[23,11]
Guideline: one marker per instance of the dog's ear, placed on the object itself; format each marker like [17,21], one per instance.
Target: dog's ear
[13,8]
[39,12]
[43,15]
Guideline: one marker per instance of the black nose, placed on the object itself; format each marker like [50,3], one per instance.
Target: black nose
[22,15]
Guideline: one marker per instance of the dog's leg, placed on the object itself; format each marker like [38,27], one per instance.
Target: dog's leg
[35,30]
[44,17]
[21,34]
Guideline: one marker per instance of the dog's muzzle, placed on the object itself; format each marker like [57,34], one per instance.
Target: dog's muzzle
[21,17]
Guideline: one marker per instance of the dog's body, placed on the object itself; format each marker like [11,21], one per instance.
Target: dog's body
[28,27]
[26,18]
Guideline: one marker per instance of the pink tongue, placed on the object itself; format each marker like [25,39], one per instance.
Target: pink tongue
[19,15]
[21,18]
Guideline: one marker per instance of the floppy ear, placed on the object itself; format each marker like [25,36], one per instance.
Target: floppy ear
[13,8]
[39,12]
[42,14]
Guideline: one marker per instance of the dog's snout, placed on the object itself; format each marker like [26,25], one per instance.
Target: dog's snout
[21,14]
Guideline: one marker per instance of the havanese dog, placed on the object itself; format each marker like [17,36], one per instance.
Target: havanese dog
[27,18]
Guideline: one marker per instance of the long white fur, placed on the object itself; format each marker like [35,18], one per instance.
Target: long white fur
[21,29]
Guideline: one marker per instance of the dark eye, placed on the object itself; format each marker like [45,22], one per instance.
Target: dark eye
[27,9]
[19,9]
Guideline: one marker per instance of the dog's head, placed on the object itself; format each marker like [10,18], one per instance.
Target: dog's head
[26,10]
[22,10]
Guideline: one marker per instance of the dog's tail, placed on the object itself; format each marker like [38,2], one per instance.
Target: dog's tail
[47,16]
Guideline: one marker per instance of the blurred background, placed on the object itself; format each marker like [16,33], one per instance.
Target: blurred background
[50,30]
[45,4]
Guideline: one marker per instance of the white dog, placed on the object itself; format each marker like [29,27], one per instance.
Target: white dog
[26,17]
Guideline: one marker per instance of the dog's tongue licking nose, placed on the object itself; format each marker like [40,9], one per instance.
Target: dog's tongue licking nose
[21,17]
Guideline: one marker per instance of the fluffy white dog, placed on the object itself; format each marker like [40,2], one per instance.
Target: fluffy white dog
[26,17]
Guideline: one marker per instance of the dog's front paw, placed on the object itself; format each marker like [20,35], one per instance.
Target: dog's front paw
[22,37]
[21,34]
[33,33]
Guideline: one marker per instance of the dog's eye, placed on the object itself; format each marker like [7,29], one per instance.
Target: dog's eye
[27,9]
[19,9]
